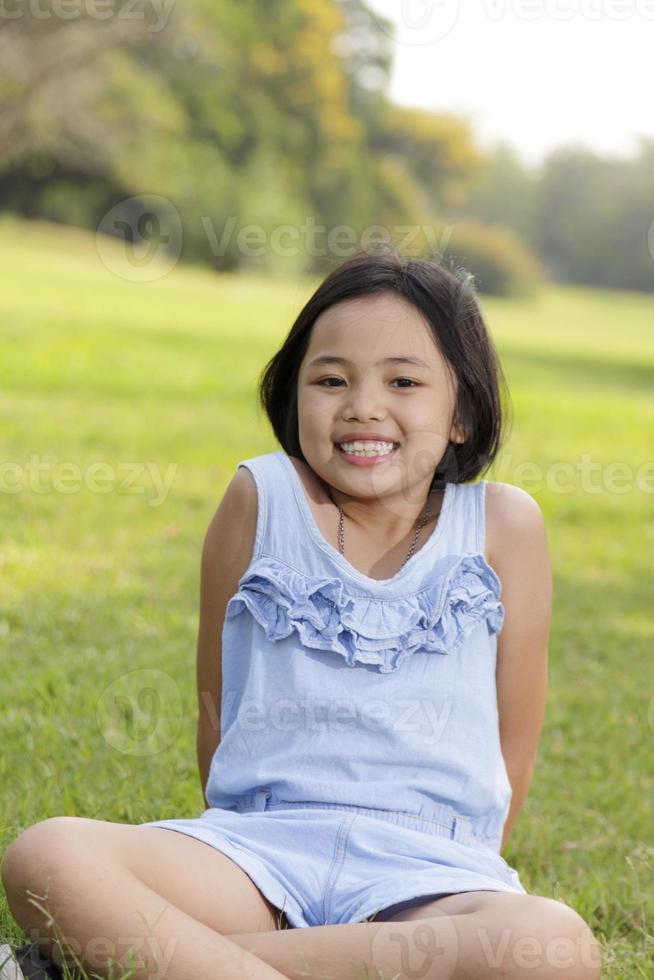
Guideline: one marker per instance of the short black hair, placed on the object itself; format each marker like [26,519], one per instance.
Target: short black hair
[447,299]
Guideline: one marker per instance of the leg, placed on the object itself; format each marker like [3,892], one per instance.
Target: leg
[107,887]
[459,937]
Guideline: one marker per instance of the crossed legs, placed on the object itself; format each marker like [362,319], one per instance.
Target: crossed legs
[189,912]
[469,936]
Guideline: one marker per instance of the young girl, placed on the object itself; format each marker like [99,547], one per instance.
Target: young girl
[372,619]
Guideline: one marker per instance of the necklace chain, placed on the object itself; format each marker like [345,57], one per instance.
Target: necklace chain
[422,520]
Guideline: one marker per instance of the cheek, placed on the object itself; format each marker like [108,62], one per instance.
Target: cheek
[427,443]
[432,419]
[311,410]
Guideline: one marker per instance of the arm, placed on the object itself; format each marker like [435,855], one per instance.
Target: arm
[518,545]
[226,554]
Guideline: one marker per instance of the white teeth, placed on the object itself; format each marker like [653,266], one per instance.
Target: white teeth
[367,448]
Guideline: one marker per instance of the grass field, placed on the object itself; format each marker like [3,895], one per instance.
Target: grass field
[99,579]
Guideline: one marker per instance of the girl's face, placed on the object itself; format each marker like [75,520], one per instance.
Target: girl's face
[408,404]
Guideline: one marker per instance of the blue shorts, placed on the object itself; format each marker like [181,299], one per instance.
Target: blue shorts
[322,864]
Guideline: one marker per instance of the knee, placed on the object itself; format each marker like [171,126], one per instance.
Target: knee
[560,937]
[37,853]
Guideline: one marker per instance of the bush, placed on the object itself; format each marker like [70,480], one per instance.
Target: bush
[503,265]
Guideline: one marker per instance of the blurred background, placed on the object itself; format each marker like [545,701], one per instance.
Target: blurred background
[176,177]
[501,140]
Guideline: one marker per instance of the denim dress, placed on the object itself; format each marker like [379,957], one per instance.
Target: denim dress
[359,767]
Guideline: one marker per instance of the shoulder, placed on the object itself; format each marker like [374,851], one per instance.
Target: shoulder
[513,518]
[241,491]
[231,532]
[521,560]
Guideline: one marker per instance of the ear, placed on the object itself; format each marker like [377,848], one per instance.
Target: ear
[457,434]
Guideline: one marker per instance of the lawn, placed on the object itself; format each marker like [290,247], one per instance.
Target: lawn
[156,381]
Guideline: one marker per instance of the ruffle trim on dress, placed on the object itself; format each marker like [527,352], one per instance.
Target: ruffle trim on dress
[458,593]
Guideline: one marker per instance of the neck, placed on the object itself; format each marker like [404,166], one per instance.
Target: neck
[383,518]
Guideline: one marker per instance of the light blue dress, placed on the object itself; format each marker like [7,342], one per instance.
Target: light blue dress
[359,766]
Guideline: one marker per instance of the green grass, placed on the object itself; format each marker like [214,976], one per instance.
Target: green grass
[96,585]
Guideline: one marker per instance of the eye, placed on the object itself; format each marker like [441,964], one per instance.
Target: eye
[324,380]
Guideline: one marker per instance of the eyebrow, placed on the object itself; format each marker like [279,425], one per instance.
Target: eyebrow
[398,359]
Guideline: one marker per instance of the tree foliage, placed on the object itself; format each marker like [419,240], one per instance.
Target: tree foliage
[273,115]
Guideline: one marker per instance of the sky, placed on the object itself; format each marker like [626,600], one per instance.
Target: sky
[534,73]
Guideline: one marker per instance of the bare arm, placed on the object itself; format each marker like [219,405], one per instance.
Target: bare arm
[226,554]
[519,555]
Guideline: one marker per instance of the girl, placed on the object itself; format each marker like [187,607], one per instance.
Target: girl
[372,619]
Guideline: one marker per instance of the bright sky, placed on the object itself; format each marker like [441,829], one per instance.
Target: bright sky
[537,73]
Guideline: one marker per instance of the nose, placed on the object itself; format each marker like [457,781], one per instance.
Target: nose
[364,401]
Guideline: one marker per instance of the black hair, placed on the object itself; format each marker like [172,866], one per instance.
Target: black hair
[448,302]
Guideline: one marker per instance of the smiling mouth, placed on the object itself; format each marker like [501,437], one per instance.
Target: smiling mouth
[396,445]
